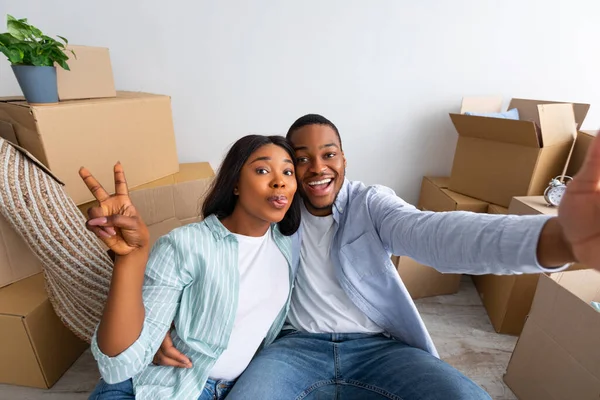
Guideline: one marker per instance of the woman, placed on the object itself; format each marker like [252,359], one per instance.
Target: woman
[225,281]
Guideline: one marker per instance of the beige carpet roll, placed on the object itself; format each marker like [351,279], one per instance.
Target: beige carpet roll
[76,268]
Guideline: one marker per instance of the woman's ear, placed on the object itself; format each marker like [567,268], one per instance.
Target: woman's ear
[236,191]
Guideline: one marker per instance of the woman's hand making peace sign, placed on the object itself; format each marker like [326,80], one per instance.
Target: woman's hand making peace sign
[115,220]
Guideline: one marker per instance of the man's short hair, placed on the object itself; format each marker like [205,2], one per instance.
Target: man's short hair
[312,119]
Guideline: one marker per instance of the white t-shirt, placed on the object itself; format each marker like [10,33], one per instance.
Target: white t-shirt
[264,289]
[319,304]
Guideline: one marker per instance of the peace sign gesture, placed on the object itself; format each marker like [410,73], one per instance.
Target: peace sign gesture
[115,221]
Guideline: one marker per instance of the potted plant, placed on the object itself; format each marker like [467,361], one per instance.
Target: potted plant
[33,56]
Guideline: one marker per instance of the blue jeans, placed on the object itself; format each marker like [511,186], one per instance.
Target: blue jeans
[347,367]
[213,390]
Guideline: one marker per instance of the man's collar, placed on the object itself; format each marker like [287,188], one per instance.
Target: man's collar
[341,201]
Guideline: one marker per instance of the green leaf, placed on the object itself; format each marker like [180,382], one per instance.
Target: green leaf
[14,55]
[41,60]
[27,44]
[7,39]
[15,28]
[63,64]
[63,39]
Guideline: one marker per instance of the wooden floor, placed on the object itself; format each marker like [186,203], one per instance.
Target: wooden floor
[458,324]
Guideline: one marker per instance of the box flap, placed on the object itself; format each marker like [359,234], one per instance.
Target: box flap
[528,109]
[496,209]
[7,131]
[24,296]
[441,182]
[187,172]
[33,160]
[522,133]
[8,99]
[531,205]
[121,96]
[584,283]
[557,122]
[483,104]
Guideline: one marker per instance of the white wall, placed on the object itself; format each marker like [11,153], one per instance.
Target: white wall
[387,72]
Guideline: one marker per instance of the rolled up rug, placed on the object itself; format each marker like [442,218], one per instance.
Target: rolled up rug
[76,268]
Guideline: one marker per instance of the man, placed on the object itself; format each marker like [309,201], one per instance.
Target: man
[353,332]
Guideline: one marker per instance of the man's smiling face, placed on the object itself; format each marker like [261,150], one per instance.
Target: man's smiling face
[320,166]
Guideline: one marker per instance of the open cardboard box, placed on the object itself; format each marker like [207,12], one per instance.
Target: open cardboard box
[582,144]
[422,280]
[557,355]
[497,158]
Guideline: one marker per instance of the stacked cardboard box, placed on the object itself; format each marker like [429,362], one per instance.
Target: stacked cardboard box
[496,159]
[505,161]
[94,126]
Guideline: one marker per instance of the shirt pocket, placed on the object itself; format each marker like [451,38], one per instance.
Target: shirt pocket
[365,257]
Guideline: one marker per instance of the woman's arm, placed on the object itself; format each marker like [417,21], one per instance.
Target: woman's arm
[123,315]
[160,298]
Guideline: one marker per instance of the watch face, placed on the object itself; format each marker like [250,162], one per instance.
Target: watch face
[555,194]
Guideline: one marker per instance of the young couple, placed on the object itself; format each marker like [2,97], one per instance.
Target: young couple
[277,297]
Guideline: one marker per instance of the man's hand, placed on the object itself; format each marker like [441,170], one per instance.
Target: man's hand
[579,210]
[169,356]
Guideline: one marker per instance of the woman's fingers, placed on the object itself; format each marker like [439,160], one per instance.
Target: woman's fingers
[163,360]
[98,212]
[120,181]
[93,185]
[117,221]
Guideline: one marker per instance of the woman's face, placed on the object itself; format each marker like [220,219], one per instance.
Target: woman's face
[267,184]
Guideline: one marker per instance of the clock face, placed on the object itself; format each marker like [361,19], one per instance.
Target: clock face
[555,194]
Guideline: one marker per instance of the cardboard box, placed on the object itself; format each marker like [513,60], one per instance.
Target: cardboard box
[496,209]
[422,280]
[557,356]
[170,202]
[17,261]
[497,159]
[507,298]
[90,74]
[35,347]
[582,144]
[134,128]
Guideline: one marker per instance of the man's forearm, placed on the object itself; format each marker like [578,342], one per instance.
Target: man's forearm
[553,250]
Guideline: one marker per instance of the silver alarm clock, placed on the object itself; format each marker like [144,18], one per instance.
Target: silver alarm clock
[556,190]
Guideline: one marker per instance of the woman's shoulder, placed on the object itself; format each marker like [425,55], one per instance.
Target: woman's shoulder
[195,231]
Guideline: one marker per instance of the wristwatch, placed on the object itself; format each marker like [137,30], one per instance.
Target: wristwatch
[556,189]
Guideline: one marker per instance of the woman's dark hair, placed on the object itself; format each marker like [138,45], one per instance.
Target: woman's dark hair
[221,200]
